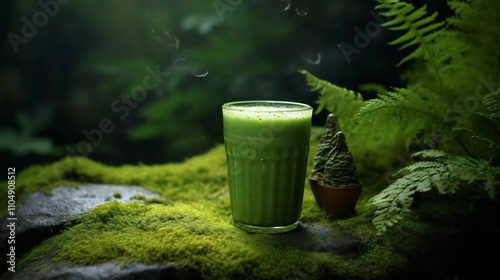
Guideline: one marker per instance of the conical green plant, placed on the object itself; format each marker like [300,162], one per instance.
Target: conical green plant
[339,169]
[324,147]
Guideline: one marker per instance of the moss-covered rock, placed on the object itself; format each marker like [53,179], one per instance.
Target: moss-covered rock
[195,229]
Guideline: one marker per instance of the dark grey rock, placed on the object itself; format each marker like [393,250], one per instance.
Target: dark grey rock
[40,210]
[41,215]
[47,270]
[318,238]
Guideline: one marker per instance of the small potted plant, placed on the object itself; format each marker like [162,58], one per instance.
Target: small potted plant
[340,187]
[324,147]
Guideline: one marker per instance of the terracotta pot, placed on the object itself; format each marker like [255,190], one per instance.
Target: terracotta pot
[313,183]
[338,203]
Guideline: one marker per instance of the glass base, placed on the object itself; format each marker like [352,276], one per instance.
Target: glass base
[270,229]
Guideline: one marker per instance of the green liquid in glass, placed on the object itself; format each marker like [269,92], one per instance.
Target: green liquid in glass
[267,143]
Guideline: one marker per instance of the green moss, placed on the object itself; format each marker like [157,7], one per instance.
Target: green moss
[196,231]
[141,197]
[42,268]
[199,236]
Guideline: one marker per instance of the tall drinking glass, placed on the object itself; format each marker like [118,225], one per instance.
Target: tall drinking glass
[267,143]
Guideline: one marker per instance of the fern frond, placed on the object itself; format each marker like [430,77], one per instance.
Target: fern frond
[401,100]
[414,110]
[475,22]
[492,103]
[441,171]
[391,204]
[489,132]
[373,88]
[420,28]
[459,8]
[492,144]
[342,102]
[430,155]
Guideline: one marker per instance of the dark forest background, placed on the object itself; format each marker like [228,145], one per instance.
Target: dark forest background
[126,82]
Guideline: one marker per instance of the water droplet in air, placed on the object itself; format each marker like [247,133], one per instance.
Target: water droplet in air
[287,5]
[201,74]
[301,12]
[315,59]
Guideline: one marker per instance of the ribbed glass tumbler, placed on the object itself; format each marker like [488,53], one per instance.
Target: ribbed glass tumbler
[267,143]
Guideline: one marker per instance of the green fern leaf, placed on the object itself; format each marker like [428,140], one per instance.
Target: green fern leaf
[401,100]
[420,28]
[373,88]
[413,108]
[475,22]
[343,103]
[492,144]
[492,102]
[391,204]
[459,7]
[450,51]
[440,171]
[430,155]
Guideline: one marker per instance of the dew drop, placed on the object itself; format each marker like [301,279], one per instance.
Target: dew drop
[315,59]
[287,5]
[201,74]
[301,12]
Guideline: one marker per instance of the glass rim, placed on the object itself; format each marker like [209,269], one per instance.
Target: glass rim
[294,106]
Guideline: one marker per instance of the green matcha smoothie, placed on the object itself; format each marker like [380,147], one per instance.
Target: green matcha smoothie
[267,143]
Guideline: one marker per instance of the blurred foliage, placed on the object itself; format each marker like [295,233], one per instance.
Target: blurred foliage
[24,140]
[84,64]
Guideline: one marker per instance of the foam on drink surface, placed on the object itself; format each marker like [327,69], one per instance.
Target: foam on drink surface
[271,112]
